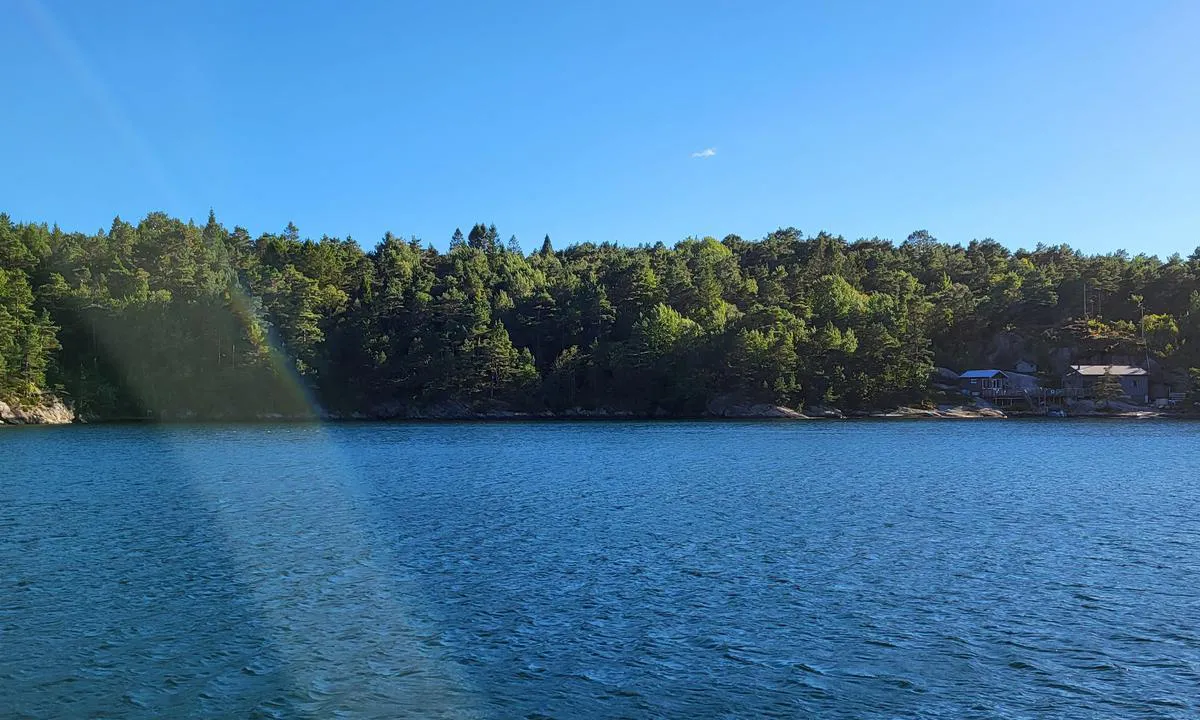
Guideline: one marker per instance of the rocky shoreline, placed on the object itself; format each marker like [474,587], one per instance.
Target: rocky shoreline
[55,412]
[63,415]
[51,412]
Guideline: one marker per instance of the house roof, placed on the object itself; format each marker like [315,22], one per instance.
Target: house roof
[1117,370]
[969,374]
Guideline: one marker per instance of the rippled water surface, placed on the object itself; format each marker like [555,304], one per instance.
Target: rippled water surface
[821,569]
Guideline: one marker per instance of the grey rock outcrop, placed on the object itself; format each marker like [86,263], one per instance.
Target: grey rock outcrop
[728,407]
[51,413]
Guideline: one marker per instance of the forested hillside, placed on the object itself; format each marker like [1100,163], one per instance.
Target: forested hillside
[172,319]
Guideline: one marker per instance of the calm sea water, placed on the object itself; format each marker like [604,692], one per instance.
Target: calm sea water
[691,570]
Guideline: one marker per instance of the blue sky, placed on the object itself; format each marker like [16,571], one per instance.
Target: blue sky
[1024,121]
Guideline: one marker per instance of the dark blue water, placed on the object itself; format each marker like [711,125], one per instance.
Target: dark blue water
[865,570]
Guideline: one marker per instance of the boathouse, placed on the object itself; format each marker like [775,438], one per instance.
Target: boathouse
[1135,381]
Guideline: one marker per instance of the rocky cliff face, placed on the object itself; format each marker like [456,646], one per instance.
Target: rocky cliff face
[52,413]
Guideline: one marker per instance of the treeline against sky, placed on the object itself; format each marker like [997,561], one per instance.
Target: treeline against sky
[167,318]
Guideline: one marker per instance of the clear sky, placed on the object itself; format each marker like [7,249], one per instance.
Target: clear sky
[1025,121]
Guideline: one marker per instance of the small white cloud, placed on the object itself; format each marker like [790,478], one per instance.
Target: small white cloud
[705,153]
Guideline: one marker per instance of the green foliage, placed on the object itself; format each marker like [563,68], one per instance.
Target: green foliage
[165,318]
[27,337]
[1108,388]
[1161,333]
[1193,391]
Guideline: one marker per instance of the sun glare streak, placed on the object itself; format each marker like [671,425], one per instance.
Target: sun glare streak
[98,92]
[242,309]
[333,512]
[306,561]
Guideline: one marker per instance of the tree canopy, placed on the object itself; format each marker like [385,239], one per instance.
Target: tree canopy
[166,318]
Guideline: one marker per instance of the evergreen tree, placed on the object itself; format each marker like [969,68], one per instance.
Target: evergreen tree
[1108,388]
[163,318]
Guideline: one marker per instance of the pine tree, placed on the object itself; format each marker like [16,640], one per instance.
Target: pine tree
[1108,388]
[478,237]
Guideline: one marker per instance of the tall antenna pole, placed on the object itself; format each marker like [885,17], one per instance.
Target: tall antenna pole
[1145,346]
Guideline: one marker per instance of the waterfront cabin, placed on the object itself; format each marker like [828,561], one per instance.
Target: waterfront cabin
[1135,381]
[1025,367]
[996,383]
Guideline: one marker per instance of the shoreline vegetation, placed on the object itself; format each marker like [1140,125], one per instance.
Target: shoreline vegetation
[173,321]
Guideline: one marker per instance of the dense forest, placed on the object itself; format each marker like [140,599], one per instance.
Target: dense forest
[170,319]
